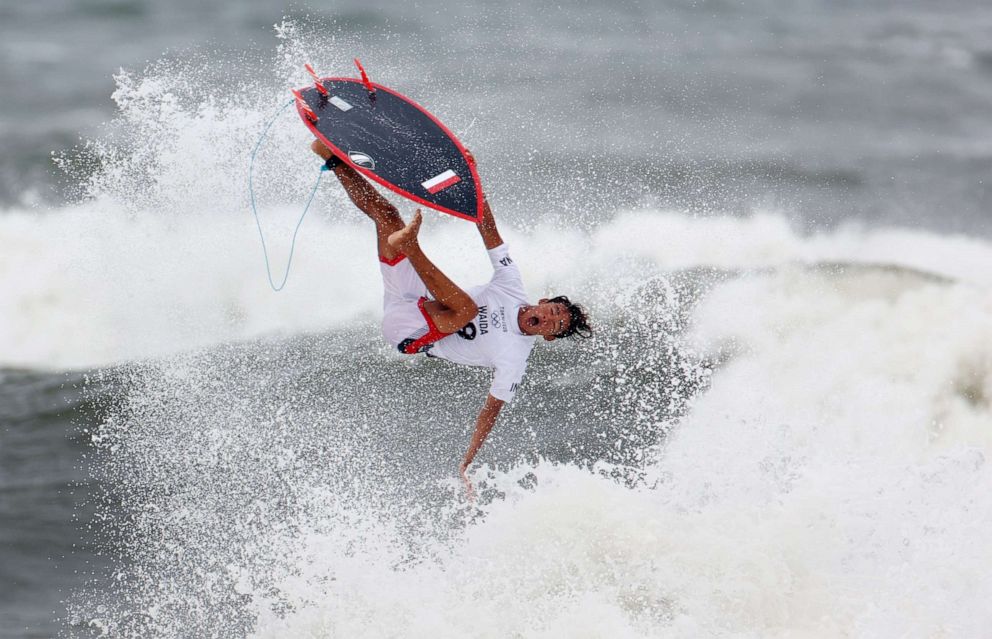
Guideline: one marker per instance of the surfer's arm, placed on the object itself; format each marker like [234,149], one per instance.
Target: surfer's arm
[483,425]
[487,227]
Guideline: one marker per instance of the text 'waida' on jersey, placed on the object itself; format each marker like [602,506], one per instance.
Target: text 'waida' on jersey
[493,338]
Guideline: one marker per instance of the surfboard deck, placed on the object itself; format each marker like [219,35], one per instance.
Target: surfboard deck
[396,142]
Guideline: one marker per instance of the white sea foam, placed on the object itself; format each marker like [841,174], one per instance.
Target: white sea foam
[94,283]
[833,481]
[830,481]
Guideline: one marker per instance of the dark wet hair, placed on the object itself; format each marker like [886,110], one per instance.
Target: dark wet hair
[579,324]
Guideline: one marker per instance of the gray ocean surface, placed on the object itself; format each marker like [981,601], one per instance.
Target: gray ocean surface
[866,115]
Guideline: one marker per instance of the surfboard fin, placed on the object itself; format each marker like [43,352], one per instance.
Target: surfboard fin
[316,80]
[366,81]
[304,107]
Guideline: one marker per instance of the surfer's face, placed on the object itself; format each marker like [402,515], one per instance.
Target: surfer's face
[546,318]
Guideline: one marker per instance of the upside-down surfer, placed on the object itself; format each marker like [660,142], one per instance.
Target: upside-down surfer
[492,325]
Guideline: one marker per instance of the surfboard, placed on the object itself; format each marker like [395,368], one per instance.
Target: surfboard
[392,140]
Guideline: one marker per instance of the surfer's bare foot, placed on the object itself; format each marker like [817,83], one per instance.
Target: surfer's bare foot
[405,239]
[321,149]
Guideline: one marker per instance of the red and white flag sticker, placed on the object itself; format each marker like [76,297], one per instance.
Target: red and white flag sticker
[441,182]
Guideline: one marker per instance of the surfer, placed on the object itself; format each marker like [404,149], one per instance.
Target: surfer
[493,325]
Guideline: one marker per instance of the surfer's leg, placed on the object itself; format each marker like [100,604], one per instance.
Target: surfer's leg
[452,308]
[387,219]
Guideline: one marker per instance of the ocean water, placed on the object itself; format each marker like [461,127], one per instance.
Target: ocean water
[778,214]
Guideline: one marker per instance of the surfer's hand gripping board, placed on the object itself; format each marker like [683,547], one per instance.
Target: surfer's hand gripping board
[392,140]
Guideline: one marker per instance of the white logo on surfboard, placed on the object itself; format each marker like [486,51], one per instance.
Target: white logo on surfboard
[362,159]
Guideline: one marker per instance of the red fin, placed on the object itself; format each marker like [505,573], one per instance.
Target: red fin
[365,77]
[304,106]
[316,80]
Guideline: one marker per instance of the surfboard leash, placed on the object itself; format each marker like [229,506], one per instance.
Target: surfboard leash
[254,208]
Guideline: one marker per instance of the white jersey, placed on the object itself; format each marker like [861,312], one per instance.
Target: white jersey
[493,338]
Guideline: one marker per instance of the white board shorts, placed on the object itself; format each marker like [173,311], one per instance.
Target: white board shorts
[405,323]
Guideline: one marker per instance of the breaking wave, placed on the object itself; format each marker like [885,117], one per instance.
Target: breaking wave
[774,433]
